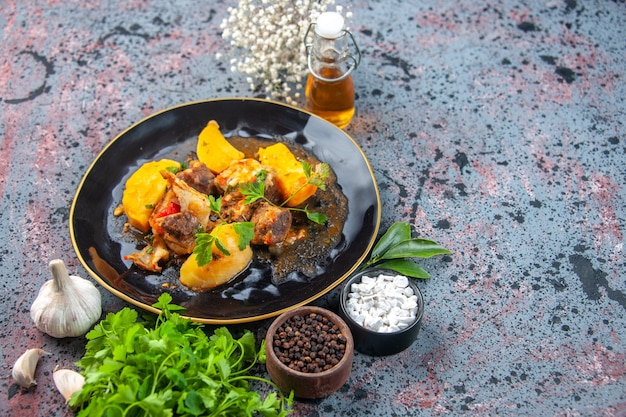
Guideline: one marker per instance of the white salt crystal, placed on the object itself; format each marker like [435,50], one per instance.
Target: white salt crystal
[368,280]
[373,323]
[401,281]
[392,319]
[359,318]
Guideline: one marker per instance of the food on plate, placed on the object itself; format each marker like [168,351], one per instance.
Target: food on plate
[214,150]
[143,190]
[292,180]
[215,215]
[222,266]
[271,224]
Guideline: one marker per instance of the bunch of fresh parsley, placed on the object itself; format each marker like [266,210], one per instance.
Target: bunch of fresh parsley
[167,365]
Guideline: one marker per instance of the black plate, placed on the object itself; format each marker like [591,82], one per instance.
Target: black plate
[100,244]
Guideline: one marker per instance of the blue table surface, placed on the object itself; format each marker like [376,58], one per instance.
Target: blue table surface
[497,128]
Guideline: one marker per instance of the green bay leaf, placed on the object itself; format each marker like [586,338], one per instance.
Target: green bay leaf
[415,248]
[405,267]
[396,233]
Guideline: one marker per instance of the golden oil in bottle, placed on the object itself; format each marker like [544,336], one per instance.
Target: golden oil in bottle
[329,90]
[333,101]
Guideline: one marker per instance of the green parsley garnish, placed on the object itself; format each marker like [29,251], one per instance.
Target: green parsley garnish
[205,241]
[245,230]
[204,248]
[176,169]
[215,204]
[255,191]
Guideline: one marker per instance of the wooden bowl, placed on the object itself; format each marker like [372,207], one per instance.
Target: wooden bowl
[309,385]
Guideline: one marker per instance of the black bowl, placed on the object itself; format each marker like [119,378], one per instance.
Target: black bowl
[375,343]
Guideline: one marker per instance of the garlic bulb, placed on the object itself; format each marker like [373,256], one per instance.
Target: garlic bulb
[25,365]
[67,382]
[66,306]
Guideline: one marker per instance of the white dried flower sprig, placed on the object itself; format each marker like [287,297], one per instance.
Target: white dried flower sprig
[268,37]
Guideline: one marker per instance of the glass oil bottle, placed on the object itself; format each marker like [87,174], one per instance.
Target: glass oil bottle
[329,87]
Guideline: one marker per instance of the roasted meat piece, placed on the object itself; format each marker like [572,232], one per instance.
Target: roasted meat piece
[234,208]
[181,212]
[271,224]
[245,171]
[191,201]
[178,231]
[199,177]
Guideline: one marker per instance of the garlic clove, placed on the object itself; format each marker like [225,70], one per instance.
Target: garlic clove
[67,382]
[66,306]
[24,368]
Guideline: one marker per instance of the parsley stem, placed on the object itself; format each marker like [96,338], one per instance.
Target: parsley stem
[114,406]
[157,374]
[293,194]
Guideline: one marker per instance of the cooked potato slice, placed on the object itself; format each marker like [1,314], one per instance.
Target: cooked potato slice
[214,150]
[222,268]
[143,190]
[290,174]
